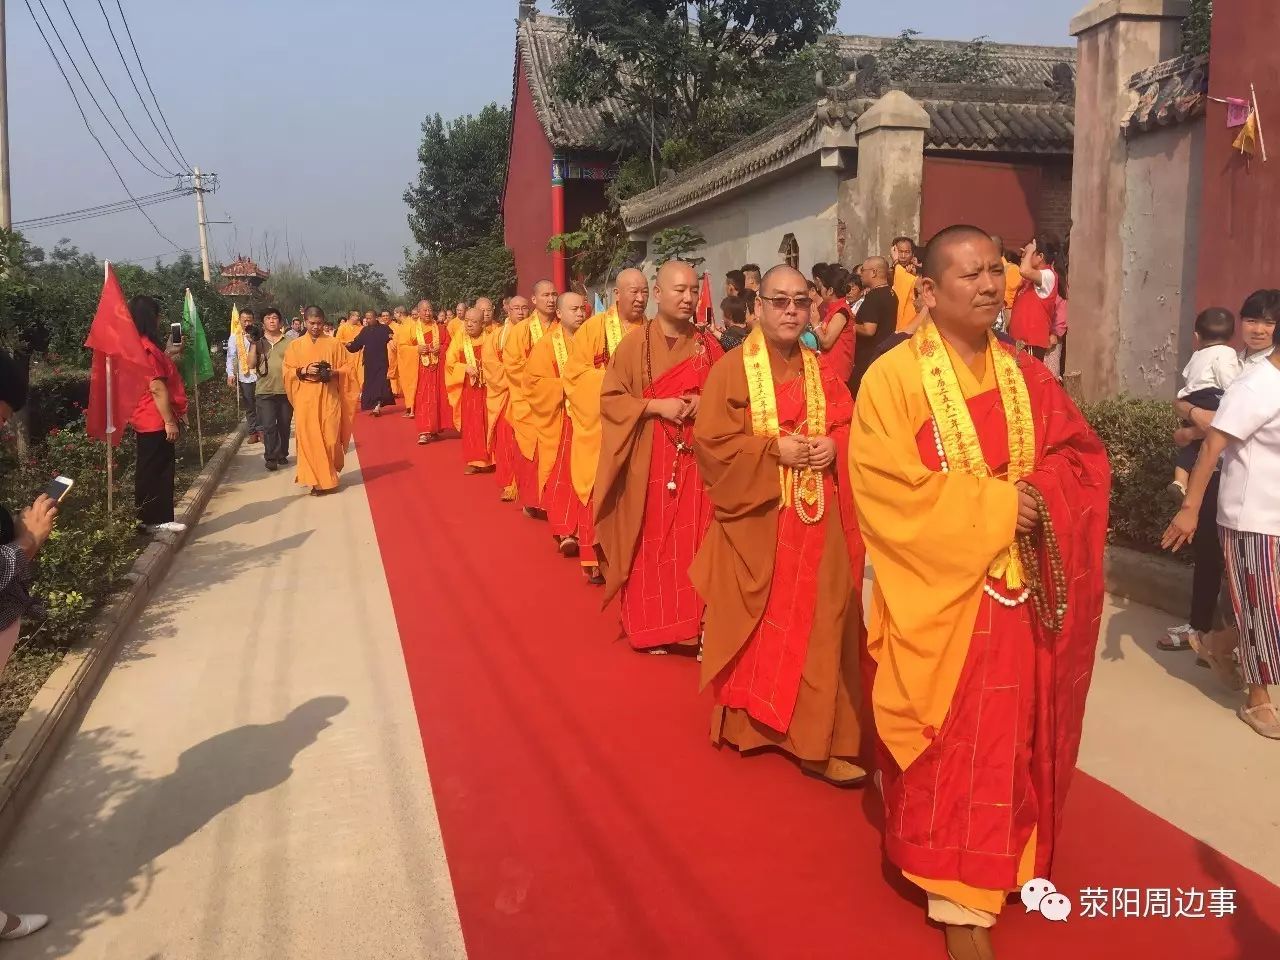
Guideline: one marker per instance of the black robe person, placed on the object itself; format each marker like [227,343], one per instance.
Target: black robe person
[373,340]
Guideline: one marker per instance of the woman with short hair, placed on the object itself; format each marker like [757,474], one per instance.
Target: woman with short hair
[155,421]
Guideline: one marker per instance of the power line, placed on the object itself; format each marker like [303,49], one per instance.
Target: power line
[111,93]
[104,210]
[129,34]
[159,256]
[129,72]
[74,97]
[71,60]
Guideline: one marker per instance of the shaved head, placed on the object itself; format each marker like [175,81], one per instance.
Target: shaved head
[631,295]
[571,308]
[677,292]
[544,298]
[519,309]
[775,276]
[938,255]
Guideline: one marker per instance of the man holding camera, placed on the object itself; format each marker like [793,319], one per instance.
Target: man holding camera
[240,372]
[313,380]
[275,414]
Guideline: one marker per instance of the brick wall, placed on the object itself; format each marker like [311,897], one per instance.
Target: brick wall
[1054,212]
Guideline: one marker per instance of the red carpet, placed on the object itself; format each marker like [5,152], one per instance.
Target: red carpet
[586,815]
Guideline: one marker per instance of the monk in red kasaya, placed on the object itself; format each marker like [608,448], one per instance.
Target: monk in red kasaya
[651,508]
[464,379]
[515,356]
[431,402]
[982,495]
[502,436]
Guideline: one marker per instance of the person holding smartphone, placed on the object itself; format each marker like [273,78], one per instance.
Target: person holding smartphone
[21,538]
[156,422]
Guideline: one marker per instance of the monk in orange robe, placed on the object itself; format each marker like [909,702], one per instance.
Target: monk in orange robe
[464,380]
[568,515]
[784,609]
[407,359]
[353,373]
[502,436]
[651,508]
[590,352]
[906,265]
[431,402]
[317,403]
[982,495]
[515,356]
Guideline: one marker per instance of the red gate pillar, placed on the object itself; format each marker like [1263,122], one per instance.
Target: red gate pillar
[559,273]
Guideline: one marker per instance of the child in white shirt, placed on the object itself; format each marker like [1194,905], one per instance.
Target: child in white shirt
[1212,368]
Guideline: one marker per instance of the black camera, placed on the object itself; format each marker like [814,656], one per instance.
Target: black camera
[252,332]
[324,371]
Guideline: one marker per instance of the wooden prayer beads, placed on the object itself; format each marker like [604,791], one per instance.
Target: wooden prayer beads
[1052,615]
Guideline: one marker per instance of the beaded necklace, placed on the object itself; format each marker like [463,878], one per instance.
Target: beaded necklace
[678,436]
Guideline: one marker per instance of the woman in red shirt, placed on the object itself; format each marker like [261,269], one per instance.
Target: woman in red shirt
[1036,303]
[835,332]
[155,420]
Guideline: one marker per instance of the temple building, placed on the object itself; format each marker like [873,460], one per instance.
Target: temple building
[833,182]
[242,280]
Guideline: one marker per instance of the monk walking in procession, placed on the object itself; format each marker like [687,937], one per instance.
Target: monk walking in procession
[784,608]
[464,380]
[430,402]
[982,495]
[314,369]
[515,356]
[651,507]
[502,434]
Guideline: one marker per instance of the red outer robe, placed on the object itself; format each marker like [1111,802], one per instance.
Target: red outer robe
[765,678]
[566,513]
[504,444]
[431,403]
[1001,763]
[659,605]
[473,421]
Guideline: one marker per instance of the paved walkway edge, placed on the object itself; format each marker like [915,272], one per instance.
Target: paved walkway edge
[56,709]
[1148,579]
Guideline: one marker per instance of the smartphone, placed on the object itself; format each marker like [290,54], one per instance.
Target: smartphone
[175,332]
[58,488]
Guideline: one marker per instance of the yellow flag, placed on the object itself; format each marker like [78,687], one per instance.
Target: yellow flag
[1247,141]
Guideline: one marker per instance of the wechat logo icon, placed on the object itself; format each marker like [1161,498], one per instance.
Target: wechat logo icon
[1042,897]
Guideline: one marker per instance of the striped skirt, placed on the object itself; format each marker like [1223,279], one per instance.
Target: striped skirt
[1253,573]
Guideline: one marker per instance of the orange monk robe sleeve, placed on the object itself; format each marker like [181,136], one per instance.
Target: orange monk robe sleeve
[583,381]
[931,538]
[904,287]
[408,361]
[294,361]
[455,376]
[515,357]
[733,570]
[1012,281]
[626,448]
[495,379]
[545,395]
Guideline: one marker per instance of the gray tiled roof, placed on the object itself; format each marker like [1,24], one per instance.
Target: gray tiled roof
[963,118]
[1168,93]
[541,42]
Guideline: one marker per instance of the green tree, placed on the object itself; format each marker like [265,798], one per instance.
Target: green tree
[596,249]
[458,195]
[484,269]
[677,243]
[666,60]
[361,276]
[906,60]
[1196,28]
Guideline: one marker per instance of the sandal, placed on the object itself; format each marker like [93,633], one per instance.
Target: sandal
[1264,719]
[1180,639]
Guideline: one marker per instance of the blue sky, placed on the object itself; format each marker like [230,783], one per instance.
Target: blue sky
[309,110]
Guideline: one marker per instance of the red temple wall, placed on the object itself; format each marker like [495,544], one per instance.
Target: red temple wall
[1008,199]
[1238,252]
[526,205]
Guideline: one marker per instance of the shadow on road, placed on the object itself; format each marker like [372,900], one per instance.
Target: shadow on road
[81,863]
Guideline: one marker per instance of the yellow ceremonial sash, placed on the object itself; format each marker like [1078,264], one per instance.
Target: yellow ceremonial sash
[562,354]
[806,491]
[502,334]
[958,435]
[612,330]
[430,360]
[536,332]
[469,354]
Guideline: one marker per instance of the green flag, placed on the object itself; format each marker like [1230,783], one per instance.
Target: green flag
[197,365]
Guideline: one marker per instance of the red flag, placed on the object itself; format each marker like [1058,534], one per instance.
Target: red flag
[706,313]
[113,334]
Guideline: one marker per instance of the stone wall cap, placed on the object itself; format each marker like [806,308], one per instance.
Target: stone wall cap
[1100,11]
[895,110]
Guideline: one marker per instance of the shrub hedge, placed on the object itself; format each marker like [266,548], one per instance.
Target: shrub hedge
[1138,435]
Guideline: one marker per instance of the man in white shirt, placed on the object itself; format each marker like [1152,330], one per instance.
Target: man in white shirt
[242,375]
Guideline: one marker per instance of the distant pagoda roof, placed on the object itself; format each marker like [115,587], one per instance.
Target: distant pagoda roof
[237,288]
[245,268]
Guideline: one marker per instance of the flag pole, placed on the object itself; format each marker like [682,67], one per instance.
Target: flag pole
[1262,142]
[111,481]
[199,428]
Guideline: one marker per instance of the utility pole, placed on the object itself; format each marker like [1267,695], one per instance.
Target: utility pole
[6,205]
[200,220]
